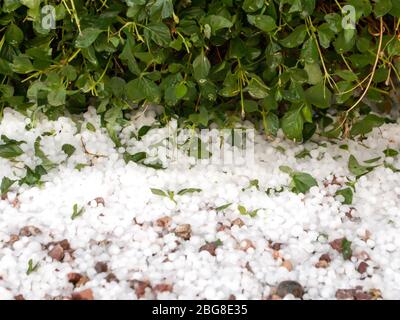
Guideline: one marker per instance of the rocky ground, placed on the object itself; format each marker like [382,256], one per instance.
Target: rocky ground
[77,221]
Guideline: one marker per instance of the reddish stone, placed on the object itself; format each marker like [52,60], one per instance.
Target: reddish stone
[83,295]
[57,253]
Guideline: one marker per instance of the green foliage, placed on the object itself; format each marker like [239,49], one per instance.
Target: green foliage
[285,62]
[301,182]
[68,149]
[251,213]
[390,152]
[223,207]
[10,148]
[76,212]
[366,125]
[347,252]
[32,267]
[6,184]
[347,194]
[356,168]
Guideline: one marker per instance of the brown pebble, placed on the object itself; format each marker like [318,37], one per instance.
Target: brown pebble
[238,222]
[249,268]
[19,297]
[221,227]
[322,264]
[183,231]
[65,244]
[209,247]
[82,281]
[29,231]
[13,239]
[362,267]
[290,287]
[111,277]
[163,287]
[101,267]
[288,265]
[325,257]
[232,297]
[100,200]
[16,203]
[83,295]
[164,222]
[375,294]
[276,246]
[345,294]
[362,295]
[139,287]
[74,277]
[337,244]
[57,253]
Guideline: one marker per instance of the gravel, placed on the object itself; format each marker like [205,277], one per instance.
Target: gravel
[129,243]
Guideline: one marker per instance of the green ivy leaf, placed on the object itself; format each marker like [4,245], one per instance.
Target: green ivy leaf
[302,182]
[395,9]
[309,52]
[158,192]
[201,67]
[325,35]
[217,22]
[223,207]
[257,88]
[292,123]
[271,124]
[366,125]
[68,149]
[252,5]
[262,22]
[57,97]
[76,213]
[296,38]
[14,35]
[33,177]
[188,190]
[6,184]
[22,64]
[137,157]
[90,127]
[87,37]
[158,32]
[345,41]
[143,131]
[143,88]
[356,168]
[11,5]
[46,163]
[181,90]
[390,152]
[382,7]
[347,194]
[250,106]
[319,96]
[10,149]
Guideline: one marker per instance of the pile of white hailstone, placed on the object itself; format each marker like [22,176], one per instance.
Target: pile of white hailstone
[101,228]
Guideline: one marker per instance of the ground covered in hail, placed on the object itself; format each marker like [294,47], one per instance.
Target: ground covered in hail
[82,219]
